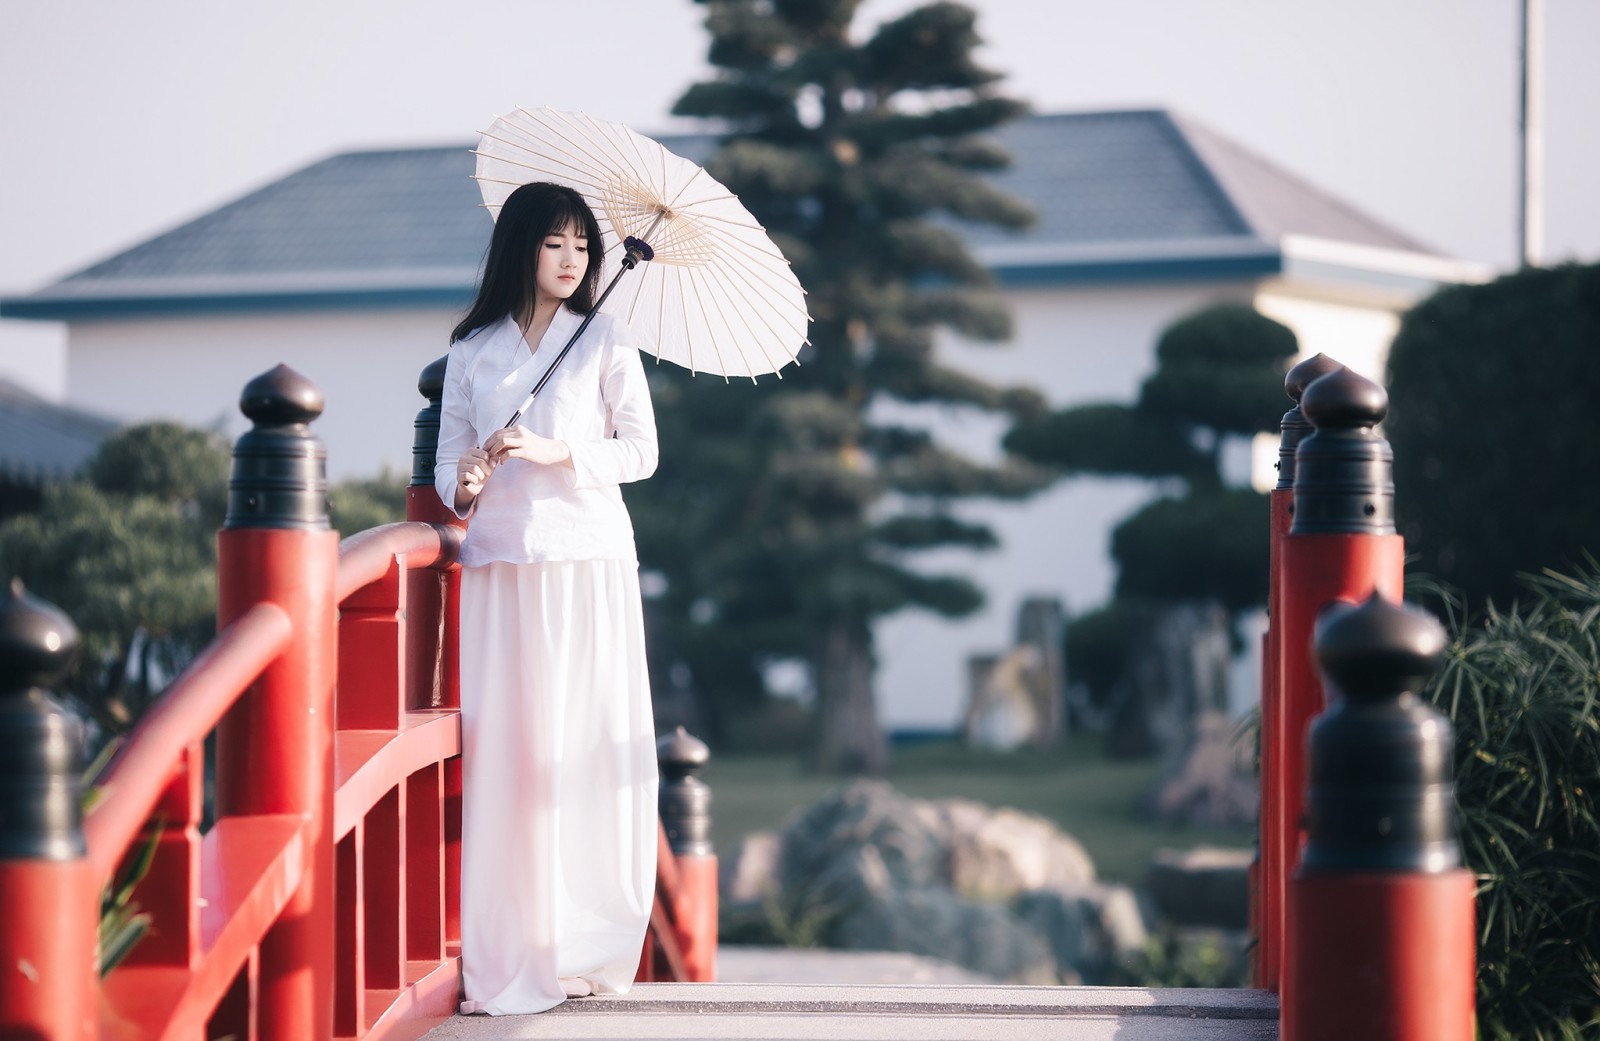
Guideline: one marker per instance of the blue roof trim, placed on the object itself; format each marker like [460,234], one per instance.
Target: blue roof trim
[92,308]
[1169,269]
[1166,269]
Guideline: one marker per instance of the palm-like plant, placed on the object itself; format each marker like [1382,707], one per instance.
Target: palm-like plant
[1522,686]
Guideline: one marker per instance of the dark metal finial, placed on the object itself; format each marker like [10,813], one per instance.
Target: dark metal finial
[280,397]
[425,431]
[1345,400]
[279,477]
[1306,373]
[38,642]
[1380,650]
[1294,427]
[430,382]
[685,799]
[41,816]
[1343,470]
[1382,786]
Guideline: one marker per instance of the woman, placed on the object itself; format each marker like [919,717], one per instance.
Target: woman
[558,745]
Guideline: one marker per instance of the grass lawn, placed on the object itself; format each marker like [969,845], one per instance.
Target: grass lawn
[1089,795]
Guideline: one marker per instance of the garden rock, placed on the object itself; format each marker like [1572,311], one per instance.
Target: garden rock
[1091,928]
[996,891]
[749,873]
[994,854]
[1204,886]
[930,920]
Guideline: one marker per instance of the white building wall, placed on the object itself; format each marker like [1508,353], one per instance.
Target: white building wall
[192,369]
[34,355]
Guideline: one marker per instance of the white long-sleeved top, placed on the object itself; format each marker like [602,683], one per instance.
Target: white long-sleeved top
[598,402]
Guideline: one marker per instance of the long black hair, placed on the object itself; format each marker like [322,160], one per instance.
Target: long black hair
[527,216]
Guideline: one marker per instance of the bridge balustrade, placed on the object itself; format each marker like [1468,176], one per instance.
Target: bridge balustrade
[323,900]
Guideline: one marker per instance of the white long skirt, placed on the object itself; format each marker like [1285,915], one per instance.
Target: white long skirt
[558,842]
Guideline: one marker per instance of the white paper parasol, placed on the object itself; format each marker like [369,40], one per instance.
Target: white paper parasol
[711,293]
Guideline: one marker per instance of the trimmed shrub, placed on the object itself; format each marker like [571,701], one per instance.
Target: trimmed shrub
[1492,394]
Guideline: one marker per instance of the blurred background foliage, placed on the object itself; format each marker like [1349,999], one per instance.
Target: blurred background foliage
[1219,375]
[128,551]
[1492,415]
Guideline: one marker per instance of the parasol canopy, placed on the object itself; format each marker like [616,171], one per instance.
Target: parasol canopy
[700,278]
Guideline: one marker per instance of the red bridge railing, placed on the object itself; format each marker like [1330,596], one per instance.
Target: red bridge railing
[323,900]
[1363,912]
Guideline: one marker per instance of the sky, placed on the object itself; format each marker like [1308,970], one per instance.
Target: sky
[122,120]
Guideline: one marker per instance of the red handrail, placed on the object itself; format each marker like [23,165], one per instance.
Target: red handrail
[367,555]
[197,964]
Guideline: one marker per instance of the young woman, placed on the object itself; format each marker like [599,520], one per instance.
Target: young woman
[558,746]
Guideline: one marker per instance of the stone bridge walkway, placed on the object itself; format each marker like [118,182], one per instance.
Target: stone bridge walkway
[899,1012]
[889,997]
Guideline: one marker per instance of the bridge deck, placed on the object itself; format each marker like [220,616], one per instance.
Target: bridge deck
[915,1012]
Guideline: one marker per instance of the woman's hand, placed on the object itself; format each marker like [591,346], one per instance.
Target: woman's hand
[472,469]
[522,443]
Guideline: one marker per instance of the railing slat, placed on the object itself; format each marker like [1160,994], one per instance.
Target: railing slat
[368,763]
[189,709]
[424,853]
[248,868]
[171,889]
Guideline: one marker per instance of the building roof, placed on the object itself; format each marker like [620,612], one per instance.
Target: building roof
[41,441]
[1120,195]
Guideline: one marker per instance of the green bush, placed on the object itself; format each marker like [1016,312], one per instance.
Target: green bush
[1492,393]
[1522,686]
[362,503]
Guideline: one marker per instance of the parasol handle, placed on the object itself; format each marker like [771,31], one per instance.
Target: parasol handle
[636,250]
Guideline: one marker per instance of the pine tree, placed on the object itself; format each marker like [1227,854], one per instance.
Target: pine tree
[786,514]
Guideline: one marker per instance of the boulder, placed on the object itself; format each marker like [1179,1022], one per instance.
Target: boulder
[750,873]
[997,891]
[747,882]
[996,853]
[1091,928]
[1204,886]
[930,920]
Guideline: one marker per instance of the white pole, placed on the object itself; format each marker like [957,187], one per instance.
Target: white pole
[1531,172]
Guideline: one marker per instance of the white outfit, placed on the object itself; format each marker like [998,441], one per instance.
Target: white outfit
[558,844]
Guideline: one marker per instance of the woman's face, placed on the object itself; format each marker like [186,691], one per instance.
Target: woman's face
[562,262]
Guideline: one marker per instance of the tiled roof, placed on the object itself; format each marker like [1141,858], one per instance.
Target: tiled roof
[41,441]
[1124,191]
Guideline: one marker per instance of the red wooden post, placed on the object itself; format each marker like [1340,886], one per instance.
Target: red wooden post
[1267,873]
[275,746]
[1385,947]
[48,903]
[433,641]
[433,680]
[1341,546]
[686,816]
